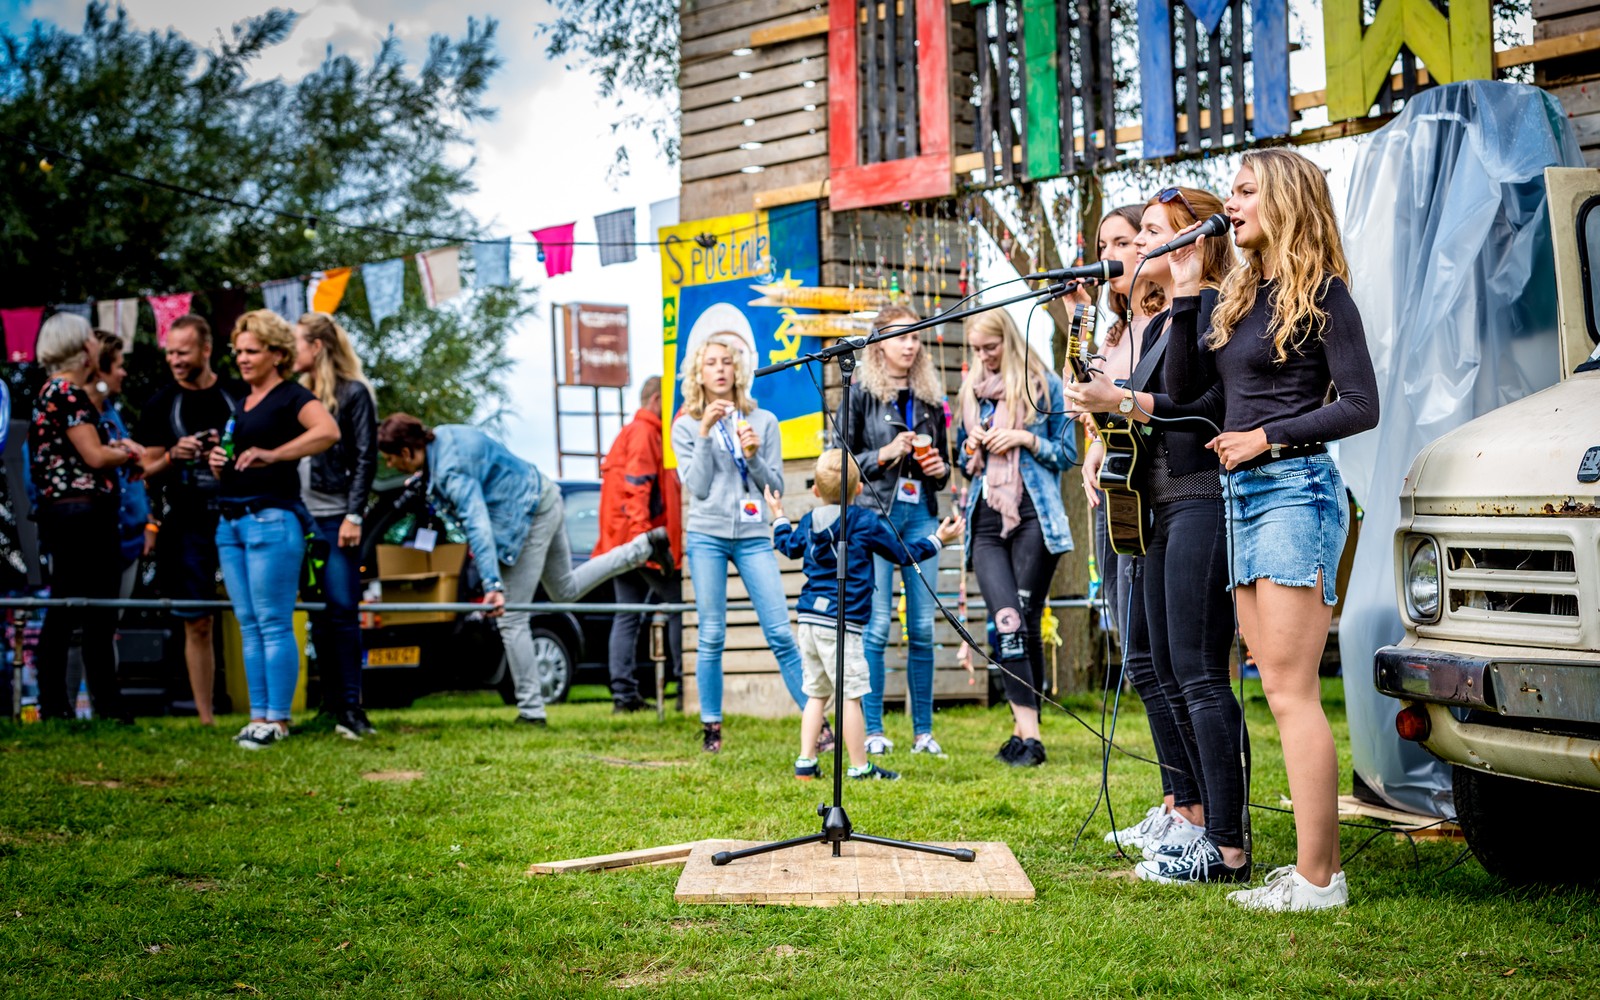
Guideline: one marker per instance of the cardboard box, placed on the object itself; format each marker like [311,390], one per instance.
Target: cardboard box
[411,576]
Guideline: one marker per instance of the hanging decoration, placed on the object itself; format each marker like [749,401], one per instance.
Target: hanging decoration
[440,271]
[21,331]
[325,290]
[286,297]
[121,317]
[615,233]
[555,248]
[385,282]
[491,261]
[168,308]
[227,305]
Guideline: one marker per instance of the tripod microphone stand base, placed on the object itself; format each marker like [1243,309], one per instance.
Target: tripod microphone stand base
[836,830]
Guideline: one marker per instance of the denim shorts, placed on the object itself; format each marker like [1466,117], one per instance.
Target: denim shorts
[1287,520]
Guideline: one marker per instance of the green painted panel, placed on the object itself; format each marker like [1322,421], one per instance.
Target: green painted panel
[1042,143]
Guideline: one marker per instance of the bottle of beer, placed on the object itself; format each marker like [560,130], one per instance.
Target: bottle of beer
[227,439]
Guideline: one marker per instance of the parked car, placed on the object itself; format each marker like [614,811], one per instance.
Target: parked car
[405,661]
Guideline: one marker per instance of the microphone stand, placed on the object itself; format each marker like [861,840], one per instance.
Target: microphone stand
[836,828]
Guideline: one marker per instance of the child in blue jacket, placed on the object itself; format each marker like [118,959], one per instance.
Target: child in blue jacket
[816,538]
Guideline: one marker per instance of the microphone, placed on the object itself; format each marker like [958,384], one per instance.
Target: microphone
[1103,270]
[1214,226]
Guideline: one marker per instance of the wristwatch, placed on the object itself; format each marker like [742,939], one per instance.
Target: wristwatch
[1125,405]
[354,519]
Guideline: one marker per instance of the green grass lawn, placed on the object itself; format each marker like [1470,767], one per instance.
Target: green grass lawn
[162,861]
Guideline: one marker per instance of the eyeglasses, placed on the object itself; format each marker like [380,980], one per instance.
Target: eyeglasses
[1173,194]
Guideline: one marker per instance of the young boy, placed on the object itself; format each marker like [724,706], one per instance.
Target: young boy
[816,538]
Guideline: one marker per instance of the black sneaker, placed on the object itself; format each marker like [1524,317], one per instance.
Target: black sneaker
[874,772]
[537,721]
[711,737]
[1031,755]
[825,740]
[628,706]
[1202,862]
[807,768]
[1009,749]
[364,725]
[346,725]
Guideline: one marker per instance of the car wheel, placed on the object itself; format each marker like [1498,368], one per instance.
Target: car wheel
[1497,814]
[554,663]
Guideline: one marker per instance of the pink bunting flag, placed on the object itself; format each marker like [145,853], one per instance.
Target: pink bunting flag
[555,246]
[21,331]
[168,308]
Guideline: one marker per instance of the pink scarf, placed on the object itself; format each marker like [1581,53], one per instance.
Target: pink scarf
[1003,491]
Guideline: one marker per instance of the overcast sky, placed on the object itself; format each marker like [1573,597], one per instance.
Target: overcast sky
[542,162]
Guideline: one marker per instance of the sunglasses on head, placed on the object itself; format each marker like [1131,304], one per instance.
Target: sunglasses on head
[1173,194]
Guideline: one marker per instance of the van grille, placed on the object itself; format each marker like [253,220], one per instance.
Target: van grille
[1521,585]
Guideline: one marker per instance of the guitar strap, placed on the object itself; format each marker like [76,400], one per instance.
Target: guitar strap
[1147,364]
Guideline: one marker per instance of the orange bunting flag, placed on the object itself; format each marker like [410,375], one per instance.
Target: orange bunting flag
[325,290]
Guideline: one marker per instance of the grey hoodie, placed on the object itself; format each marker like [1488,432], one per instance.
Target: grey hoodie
[711,477]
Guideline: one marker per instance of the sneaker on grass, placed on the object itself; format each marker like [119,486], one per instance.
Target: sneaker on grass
[1201,862]
[877,743]
[869,770]
[711,737]
[807,768]
[260,736]
[1175,840]
[1010,749]
[1286,890]
[347,725]
[1134,836]
[927,744]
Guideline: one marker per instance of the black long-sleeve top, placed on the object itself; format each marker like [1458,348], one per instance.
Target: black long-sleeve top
[1184,442]
[1285,400]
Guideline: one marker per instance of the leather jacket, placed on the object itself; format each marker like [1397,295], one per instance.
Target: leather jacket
[349,467]
[873,424]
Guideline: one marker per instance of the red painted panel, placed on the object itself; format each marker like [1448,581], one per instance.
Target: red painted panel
[852,185]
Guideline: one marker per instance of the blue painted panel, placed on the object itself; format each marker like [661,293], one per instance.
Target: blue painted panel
[1269,54]
[1160,116]
[1209,12]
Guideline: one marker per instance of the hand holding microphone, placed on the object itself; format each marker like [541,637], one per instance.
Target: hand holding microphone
[1186,266]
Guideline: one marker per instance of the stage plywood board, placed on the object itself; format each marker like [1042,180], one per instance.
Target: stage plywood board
[810,876]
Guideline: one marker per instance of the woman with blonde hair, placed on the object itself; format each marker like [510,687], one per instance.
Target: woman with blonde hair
[1014,442]
[1284,329]
[336,484]
[260,540]
[730,450]
[896,400]
[1197,834]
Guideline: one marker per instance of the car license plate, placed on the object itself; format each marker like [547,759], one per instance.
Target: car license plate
[395,656]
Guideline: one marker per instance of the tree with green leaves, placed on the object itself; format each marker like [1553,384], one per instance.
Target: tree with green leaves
[139,162]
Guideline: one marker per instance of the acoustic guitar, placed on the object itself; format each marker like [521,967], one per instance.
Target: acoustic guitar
[1125,516]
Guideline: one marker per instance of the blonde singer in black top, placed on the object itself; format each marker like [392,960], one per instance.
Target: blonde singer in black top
[1284,329]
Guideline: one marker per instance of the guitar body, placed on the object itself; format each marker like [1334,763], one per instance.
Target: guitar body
[1125,509]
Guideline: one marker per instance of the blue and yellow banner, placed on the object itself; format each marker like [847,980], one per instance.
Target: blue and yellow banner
[713,289]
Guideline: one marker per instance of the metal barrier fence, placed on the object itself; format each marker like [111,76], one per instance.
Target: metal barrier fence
[535,607]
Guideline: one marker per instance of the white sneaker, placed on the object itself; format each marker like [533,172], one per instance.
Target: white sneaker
[260,736]
[925,743]
[1177,838]
[1134,836]
[1286,889]
[878,743]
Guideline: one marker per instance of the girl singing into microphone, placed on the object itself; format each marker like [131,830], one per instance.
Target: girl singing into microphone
[1284,329]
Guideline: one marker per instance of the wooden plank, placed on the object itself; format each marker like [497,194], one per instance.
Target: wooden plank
[766,81]
[800,147]
[793,193]
[1578,98]
[711,46]
[1542,9]
[730,66]
[784,126]
[1566,26]
[765,106]
[1549,48]
[677,853]
[733,193]
[1041,83]
[726,17]
[789,32]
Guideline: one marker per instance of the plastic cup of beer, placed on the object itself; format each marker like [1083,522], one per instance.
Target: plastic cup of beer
[922,446]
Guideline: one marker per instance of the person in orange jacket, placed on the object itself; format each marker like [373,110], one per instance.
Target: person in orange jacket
[636,494]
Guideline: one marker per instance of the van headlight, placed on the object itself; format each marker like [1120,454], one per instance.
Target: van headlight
[1423,585]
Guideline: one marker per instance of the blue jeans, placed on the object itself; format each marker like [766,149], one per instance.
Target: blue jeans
[260,555]
[336,632]
[912,520]
[708,558]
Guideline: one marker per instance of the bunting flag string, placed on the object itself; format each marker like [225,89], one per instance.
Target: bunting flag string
[440,271]
[168,308]
[555,248]
[325,290]
[21,331]
[385,281]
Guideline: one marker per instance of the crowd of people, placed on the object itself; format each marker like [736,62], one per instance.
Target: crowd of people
[1239,359]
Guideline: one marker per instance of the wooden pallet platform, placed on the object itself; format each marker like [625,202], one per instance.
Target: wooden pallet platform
[812,876]
[1404,823]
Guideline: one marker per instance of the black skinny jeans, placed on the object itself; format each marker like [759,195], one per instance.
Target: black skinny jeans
[1014,574]
[1177,777]
[1185,573]
[84,545]
[636,587]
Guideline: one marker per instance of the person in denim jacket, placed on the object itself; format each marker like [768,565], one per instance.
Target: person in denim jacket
[515,524]
[1014,441]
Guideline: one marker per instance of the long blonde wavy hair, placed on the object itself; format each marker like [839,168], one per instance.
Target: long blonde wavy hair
[336,362]
[694,394]
[874,378]
[1302,247]
[1020,364]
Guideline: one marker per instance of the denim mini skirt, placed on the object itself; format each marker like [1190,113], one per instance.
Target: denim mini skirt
[1287,520]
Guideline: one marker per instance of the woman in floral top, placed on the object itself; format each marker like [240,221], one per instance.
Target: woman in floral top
[75,483]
